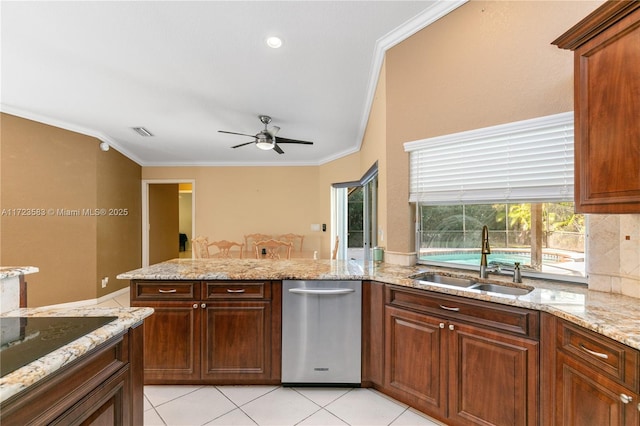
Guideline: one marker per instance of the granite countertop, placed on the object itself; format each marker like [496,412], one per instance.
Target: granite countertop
[18,380]
[612,315]
[14,271]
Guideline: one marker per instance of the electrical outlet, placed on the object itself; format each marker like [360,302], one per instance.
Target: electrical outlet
[105,281]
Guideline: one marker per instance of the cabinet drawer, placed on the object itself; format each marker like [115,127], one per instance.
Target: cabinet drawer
[606,356]
[165,290]
[492,315]
[237,290]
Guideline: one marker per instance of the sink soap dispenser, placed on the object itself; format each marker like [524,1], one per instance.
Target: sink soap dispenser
[517,276]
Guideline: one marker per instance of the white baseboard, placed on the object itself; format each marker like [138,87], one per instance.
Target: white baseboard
[91,302]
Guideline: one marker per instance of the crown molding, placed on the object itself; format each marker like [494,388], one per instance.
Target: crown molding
[428,16]
[8,109]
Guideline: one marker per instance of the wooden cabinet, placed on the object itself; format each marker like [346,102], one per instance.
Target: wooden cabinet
[596,379]
[372,333]
[241,339]
[462,361]
[493,377]
[415,360]
[222,332]
[606,47]
[172,342]
[103,387]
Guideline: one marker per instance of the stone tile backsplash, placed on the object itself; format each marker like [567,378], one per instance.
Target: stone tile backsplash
[613,262]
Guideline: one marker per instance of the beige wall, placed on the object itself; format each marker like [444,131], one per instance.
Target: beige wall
[44,167]
[233,201]
[119,236]
[484,64]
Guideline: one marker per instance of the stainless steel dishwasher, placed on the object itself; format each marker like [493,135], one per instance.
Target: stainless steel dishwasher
[321,332]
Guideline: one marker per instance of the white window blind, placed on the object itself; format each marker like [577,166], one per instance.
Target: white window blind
[524,161]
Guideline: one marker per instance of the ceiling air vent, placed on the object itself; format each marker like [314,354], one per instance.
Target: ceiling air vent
[142,131]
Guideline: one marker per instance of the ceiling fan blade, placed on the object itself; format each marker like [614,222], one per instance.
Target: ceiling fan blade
[242,144]
[277,149]
[274,130]
[235,133]
[285,140]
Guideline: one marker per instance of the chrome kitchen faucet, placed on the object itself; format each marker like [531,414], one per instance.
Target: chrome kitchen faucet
[484,251]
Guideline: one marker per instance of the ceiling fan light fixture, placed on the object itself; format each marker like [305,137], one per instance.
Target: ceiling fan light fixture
[265,143]
[274,42]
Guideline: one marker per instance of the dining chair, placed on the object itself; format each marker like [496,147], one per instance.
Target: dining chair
[251,239]
[225,249]
[270,249]
[292,238]
[200,247]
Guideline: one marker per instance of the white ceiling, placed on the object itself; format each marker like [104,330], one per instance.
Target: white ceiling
[185,70]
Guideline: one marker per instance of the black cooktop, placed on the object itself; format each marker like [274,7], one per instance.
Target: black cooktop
[25,339]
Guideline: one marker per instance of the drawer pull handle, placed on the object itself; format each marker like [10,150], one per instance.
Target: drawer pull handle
[625,398]
[173,290]
[195,306]
[242,290]
[449,308]
[598,354]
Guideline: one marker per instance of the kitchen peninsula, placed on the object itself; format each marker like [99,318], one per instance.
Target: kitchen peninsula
[95,377]
[574,303]
[546,354]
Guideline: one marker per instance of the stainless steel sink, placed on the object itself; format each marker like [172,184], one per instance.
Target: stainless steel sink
[469,284]
[444,279]
[501,289]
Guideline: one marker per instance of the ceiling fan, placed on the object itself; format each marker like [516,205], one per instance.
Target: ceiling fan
[266,139]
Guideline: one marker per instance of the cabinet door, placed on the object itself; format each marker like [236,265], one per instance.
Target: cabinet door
[607,129]
[587,398]
[414,369]
[237,342]
[171,343]
[493,377]
[107,405]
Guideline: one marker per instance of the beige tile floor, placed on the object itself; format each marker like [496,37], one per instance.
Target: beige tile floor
[271,405]
[274,405]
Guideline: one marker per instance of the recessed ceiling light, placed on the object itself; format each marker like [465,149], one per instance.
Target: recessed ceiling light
[274,42]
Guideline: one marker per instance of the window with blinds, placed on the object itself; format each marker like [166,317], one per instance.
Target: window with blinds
[525,161]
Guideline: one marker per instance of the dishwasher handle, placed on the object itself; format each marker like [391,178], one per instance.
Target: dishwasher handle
[321,291]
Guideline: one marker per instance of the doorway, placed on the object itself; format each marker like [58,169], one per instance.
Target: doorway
[168,219]
[355,209]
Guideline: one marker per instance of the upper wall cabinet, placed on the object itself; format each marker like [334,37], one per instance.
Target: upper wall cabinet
[606,47]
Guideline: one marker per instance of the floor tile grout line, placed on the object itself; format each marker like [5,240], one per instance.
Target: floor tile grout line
[174,399]
[238,407]
[316,412]
[398,416]
[324,407]
[321,406]
[159,416]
